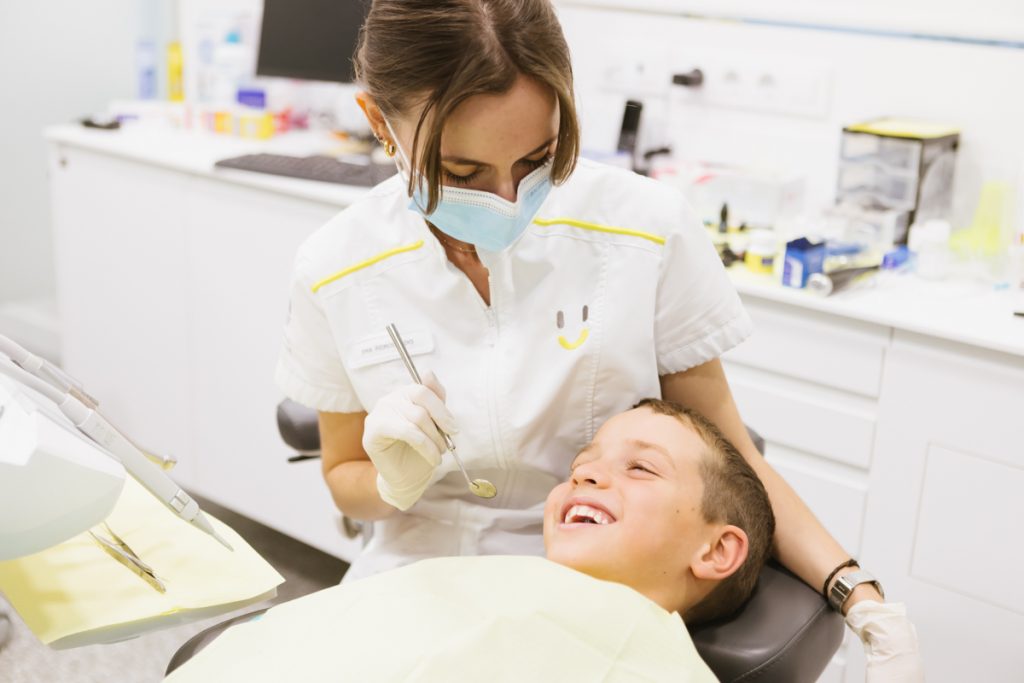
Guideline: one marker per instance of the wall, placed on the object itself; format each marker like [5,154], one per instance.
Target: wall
[994,20]
[62,59]
[860,76]
[59,60]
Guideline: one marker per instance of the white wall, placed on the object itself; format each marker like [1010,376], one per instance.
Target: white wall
[978,88]
[59,60]
[984,19]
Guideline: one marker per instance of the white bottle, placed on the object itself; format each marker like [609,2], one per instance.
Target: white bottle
[230,67]
[930,243]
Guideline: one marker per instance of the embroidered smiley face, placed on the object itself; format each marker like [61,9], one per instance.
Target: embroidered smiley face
[584,333]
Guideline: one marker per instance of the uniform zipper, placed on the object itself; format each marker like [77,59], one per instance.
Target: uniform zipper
[491,375]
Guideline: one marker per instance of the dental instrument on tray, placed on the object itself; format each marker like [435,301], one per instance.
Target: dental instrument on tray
[81,409]
[123,553]
[478,487]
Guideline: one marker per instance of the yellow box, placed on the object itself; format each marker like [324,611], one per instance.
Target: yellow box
[223,122]
[256,125]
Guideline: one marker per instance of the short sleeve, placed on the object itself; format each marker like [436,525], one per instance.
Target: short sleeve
[698,314]
[309,369]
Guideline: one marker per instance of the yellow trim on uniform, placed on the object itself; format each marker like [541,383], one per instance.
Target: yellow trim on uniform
[366,264]
[544,222]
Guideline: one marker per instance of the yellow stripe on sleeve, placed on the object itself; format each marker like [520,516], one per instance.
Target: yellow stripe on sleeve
[366,264]
[543,222]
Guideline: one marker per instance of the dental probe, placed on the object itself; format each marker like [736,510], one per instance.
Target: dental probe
[478,487]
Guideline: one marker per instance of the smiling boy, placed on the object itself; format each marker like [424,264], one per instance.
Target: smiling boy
[661,502]
[660,515]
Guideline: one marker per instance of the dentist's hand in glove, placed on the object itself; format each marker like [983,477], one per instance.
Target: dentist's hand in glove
[890,641]
[403,442]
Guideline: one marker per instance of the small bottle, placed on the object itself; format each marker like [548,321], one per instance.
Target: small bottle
[930,243]
[175,82]
[761,250]
[145,65]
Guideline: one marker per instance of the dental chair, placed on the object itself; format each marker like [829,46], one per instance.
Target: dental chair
[786,633]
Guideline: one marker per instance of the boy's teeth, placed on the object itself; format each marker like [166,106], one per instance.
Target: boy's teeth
[586,512]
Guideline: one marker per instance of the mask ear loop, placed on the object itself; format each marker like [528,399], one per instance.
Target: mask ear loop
[392,148]
[402,162]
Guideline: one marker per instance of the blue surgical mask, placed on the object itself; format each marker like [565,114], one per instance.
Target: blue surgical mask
[482,219]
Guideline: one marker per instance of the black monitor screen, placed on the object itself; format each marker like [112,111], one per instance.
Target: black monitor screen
[310,39]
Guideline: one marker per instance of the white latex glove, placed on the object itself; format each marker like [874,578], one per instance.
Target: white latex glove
[401,439]
[890,642]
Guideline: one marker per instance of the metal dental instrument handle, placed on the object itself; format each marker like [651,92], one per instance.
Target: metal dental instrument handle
[478,487]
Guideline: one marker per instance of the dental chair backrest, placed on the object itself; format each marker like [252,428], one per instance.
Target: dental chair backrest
[786,633]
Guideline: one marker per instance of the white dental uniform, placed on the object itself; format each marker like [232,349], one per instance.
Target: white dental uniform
[614,284]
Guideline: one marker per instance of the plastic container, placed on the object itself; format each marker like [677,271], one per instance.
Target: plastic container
[930,243]
[761,252]
[231,65]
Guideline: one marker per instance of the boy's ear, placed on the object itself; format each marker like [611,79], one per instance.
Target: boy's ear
[720,558]
[373,114]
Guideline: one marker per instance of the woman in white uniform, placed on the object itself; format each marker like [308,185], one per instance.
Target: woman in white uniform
[546,292]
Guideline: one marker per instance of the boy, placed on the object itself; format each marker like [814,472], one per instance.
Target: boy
[688,518]
[660,517]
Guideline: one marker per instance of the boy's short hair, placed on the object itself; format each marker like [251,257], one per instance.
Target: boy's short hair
[733,494]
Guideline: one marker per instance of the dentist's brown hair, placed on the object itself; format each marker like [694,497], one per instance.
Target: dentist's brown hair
[439,53]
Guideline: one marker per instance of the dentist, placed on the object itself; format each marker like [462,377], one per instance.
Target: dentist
[547,292]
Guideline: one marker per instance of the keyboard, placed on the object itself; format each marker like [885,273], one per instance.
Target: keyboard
[324,169]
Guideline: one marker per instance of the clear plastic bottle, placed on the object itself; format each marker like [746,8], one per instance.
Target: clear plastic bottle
[930,243]
[230,64]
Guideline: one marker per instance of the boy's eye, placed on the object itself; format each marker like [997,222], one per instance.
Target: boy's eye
[638,466]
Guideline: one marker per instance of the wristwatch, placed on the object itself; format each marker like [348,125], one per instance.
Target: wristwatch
[845,584]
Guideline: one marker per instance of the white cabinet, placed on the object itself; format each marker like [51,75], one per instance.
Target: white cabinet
[120,255]
[241,246]
[172,289]
[944,520]
[809,383]
[910,449]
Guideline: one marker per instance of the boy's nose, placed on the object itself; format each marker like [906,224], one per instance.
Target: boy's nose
[590,473]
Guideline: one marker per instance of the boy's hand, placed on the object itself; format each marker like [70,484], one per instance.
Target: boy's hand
[890,642]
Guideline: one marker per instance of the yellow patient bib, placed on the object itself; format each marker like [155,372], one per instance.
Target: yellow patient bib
[488,619]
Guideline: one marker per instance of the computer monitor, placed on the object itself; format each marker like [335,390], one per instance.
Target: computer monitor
[310,39]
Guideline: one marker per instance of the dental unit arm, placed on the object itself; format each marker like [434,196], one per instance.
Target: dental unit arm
[62,464]
[54,484]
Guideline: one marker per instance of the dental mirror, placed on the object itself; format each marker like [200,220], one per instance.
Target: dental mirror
[478,487]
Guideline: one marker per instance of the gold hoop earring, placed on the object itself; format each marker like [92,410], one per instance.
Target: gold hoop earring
[390,148]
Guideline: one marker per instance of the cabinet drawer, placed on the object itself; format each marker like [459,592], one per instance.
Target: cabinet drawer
[817,347]
[804,416]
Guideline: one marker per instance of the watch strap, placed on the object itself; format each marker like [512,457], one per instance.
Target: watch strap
[845,584]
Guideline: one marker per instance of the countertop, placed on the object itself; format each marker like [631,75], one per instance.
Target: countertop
[961,311]
[196,153]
